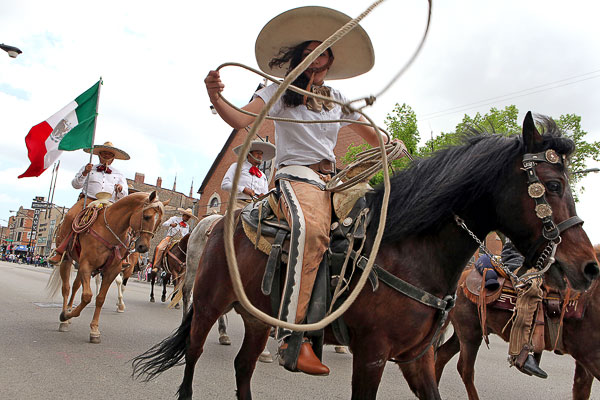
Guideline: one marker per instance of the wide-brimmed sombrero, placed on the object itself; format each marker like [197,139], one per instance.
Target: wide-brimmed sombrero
[353,54]
[108,146]
[187,211]
[267,148]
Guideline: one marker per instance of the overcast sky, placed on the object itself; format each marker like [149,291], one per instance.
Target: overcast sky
[542,56]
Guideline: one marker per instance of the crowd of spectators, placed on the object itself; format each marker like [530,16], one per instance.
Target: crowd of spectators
[24,258]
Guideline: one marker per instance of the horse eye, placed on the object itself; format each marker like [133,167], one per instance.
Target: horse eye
[554,186]
[147,218]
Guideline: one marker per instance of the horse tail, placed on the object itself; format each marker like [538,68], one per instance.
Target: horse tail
[54,282]
[164,355]
[178,293]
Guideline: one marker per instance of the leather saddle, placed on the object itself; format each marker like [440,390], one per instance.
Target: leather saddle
[474,285]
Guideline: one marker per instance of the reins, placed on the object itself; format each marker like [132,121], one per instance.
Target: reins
[229,219]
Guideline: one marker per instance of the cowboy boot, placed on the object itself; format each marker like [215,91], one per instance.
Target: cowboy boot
[527,364]
[307,361]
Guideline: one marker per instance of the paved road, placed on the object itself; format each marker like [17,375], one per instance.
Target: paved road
[38,362]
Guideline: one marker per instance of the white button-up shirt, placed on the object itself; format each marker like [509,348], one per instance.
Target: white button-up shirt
[184,230]
[101,182]
[247,180]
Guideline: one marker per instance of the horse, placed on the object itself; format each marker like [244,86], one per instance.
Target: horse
[102,250]
[581,340]
[437,206]
[130,264]
[174,255]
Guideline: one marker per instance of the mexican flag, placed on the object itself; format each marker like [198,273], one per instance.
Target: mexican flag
[71,128]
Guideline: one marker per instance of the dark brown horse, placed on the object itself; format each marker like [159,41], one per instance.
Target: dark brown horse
[174,270]
[481,181]
[581,339]
[103,246]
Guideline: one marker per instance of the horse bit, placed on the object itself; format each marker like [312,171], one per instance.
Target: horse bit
[550,231]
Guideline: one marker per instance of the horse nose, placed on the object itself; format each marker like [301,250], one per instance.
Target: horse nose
[141,248]
[591,271]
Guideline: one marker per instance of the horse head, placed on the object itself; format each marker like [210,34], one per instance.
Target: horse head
[539,214]
[146,221]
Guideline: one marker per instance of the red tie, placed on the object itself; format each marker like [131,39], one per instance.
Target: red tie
[104,168]
[182,223]
[255,171]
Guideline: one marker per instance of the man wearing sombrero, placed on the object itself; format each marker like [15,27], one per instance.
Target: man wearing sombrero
[253,181]
[305,158]
[101,177]
[176,224]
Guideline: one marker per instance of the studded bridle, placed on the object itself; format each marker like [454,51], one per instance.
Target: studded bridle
[550,230]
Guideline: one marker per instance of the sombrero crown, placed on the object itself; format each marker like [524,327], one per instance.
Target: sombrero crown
[108,146]
[267,148]
[353,54]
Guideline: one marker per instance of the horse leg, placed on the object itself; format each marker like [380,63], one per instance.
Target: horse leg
[445,353]
[84,275]
[421,377]
[65,276]
[107,279]
[466,363]
[120,302]
[582,382]
[152,278]
[166,280]
[256,335]
[223,337]
[367,368]
[98,280]
[175,283]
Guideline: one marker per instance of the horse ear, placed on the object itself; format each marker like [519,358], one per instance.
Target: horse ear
[166,202]
[152,197]
[531,136]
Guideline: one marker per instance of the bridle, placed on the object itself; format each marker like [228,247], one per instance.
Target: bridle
[550,230]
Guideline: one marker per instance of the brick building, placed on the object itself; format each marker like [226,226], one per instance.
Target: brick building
[177,200]
[214,200]
[48,224]
[20,235]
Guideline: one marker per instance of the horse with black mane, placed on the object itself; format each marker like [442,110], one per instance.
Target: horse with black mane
[479,185]
[171,267]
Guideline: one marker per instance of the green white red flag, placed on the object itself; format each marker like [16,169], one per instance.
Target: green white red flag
[71,128]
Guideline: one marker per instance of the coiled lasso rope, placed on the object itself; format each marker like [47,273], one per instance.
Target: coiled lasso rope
[229,219]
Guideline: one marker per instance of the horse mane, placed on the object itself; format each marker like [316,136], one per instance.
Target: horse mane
[432,189]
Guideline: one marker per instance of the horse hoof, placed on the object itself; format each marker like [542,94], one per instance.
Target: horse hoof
[62,317]
[341,349]
[224,340]
[94,339]
[177,306]
[64,327]
[265,356]
[163,299]
[151,299]
[121,308]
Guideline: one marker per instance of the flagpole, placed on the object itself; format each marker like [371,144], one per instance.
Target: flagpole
[87,178]
[50,189]
[54,187]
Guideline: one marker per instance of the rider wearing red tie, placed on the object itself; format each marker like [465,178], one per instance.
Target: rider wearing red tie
[101,177]
[177,225]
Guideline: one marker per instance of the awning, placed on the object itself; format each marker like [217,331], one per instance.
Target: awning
[21,248]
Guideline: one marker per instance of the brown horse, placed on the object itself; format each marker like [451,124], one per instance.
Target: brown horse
[174,270]
[481,181]
[103,246]
[581,340]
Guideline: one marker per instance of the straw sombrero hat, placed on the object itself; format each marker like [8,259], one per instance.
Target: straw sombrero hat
[267,148]
[187,211]
[108,146]
[354,54]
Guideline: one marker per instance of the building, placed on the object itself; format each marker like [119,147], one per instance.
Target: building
[214,200]
[177,200]
[47,227]
[21,236]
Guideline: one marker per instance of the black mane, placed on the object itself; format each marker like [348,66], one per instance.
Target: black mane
[427,193]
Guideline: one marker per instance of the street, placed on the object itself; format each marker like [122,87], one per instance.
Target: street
[39,362]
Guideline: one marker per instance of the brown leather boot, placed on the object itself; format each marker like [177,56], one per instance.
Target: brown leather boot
[308,362]
[55,259]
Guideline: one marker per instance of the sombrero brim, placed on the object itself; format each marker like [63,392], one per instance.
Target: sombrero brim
[119,154]
[267,148]
[186,212]
[353,54]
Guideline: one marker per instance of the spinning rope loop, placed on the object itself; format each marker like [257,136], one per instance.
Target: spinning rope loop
[393,149]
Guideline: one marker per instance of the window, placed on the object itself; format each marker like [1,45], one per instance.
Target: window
[267,168]
[214,204]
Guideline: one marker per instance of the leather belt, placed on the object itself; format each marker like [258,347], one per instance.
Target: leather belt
[81,196]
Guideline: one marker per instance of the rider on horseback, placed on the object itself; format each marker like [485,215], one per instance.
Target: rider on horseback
[100,177]
[305,159]
[177,224]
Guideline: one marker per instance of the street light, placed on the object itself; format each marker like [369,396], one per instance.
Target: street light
[12,51]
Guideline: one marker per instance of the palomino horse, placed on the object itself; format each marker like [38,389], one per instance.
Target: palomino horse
[103,248]
[174,256]
[130,264]
[481,181]
[581,340]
